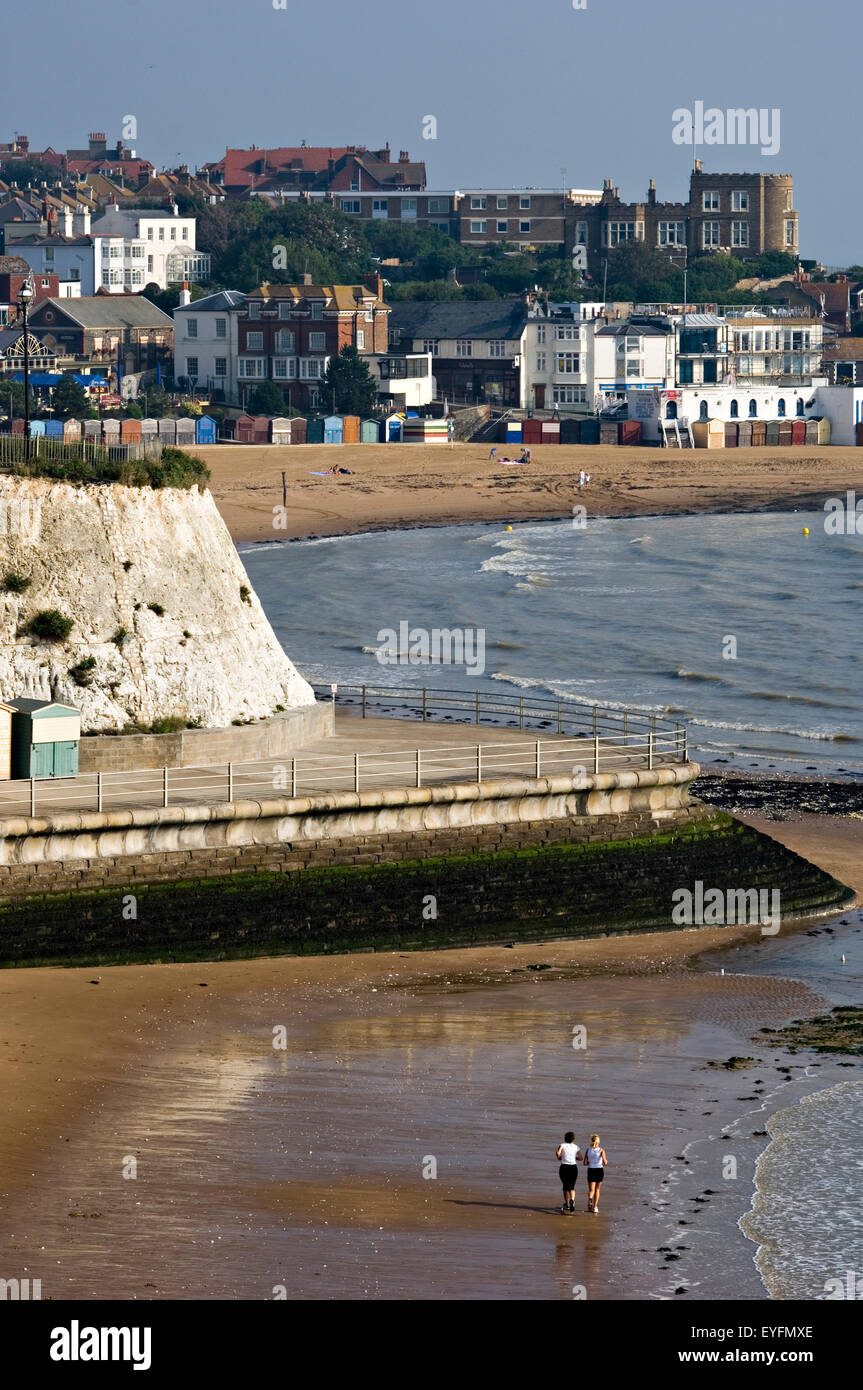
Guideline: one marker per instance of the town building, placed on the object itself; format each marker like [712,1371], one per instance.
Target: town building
[205,343]
[342,170]
[14,273]
[517,216]
[476,346]
[118,334]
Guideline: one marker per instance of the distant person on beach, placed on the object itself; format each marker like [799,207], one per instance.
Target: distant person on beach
[595,1161]
[493,454]
[525,456]
[568,1154]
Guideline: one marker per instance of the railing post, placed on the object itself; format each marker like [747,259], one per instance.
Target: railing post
[477,706]
[356,772]
[479,762]
[230,781]
[538,755]
[521,711]
[425,703]
[32,796]
[651,750]
[364,702]
[164,786]
[559,717]
[98,791]
[293,776]
[625,727]
[596,756]
[419,768]
[594,721]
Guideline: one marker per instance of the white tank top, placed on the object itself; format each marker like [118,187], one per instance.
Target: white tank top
[569,1153]
[594,1158]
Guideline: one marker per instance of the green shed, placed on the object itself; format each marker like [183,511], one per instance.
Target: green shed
[45,739]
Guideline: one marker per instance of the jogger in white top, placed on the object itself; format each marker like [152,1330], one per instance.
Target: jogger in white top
[595,1161]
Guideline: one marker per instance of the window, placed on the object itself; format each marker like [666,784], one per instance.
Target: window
[431,345]
[191,328]
[350,205]
[254,308]
[739,201]
[633,366]
[477,204]
[619,232]
[220,366]
[789,232]
[137,277]
[569,395]
[150,263]
[702,411]
[780,408]
[800,407]
[409,209]
[221,328]
[744,366]
[581,233]
[710,201]
[361,338]
[137,252]
[311,368]
[314,399]
[191,366]
[173,233]
[355,185]
[149,233]
[568,364]
[734,410]
[106,277]
[742,341]
[317,309]
[710,233]
[540,333]
[497,347]
[502,203]
[380,207]
[464,347]
[46,284]
[285,340]
[116,277]
[524,228]
[161,233]
[502,227]
[524,203]
[185,233]
[254,342]
[540,362]
[567,334]
[115,251]
[437,205]
[478,228]
[284,368]
[317,342]
[672,234]
[740,234]
[251,367]
[753,410]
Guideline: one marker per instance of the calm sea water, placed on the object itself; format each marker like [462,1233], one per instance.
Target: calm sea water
[740,626]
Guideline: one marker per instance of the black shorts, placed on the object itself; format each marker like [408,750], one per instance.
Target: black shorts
[594,1174]
[568,1176]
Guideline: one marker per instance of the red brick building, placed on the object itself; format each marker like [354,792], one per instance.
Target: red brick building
[318,169]
[14,272]
[288,333]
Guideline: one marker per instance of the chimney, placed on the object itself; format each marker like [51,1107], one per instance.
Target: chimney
[175,209]
[185,295]
[651,192]
[307,279]
[698,166]
[374,283]
[98,143]
[404,157]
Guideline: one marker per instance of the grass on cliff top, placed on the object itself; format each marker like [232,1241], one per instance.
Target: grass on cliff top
[175,468]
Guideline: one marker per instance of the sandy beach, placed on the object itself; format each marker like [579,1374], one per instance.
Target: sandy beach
[425,485]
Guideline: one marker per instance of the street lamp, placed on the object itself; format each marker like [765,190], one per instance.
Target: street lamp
[25,296]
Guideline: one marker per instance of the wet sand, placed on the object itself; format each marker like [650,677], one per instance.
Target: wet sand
[432,485]
[261,1169]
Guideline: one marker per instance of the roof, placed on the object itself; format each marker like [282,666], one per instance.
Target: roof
[54,239]
[844,349]
[106,311]
[701,321]
[483,318]
[637,328]
[345,297]
[13,265]
[214,303]
[121,219]
[17,210]
[27,706]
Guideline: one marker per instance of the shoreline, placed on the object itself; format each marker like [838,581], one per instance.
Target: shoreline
[402,487]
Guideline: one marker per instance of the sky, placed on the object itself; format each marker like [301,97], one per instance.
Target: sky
[520,92]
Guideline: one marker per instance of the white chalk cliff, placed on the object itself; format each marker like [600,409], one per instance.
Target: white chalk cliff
[100,554]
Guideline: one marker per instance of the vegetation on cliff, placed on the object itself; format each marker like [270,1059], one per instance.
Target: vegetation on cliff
[175,468]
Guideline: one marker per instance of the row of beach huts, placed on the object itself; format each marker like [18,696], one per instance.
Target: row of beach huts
[706,434]
[246,429]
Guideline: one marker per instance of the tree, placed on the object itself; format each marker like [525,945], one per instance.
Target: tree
[266,399]
[356,390]
[69,398]
[167,300]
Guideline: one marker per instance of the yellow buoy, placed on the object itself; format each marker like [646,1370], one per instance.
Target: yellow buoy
[509,528]
[806,530]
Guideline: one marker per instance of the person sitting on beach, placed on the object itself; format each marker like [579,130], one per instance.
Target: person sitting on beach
[595,1162]
[568,1154]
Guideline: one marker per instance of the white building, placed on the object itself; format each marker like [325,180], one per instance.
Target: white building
[205,341]
[134,247]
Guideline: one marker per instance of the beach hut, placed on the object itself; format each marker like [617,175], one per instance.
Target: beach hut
[608,432]
[37,429]
[798,432]
[280,430]
[812,430]
[149,429]
[708,434]
[185,432]
[629,432]
[6,715]
[244,427]
[205,430]
[130,431]
[512,432]
[731,438]
[111,431]
[45,738]
[550,432]
[261,429]
[314,429]
[570,430]
[589,432]
[168,431]
[531,431]
[427,431]
[350,429]
[298,429]
[759,433]
[333,429]
[54,429]
[785,431]
[17,426]
[93,430]
[823,430]
[71,431]
[771,432]
[744,434]
[369,432]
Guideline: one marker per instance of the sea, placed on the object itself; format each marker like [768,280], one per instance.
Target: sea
[747,628]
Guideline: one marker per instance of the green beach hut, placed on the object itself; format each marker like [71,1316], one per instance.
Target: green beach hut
[45,737]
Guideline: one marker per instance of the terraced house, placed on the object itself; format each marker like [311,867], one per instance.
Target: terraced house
[288,333]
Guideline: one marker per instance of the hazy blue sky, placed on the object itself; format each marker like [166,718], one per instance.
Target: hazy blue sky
[520,91]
